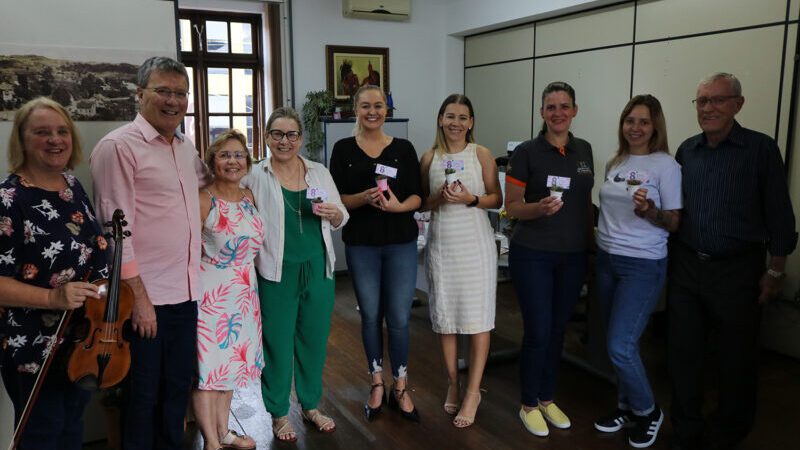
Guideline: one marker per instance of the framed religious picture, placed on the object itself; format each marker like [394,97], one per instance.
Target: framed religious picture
[348,68]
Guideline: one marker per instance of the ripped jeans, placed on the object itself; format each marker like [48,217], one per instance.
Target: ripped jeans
[384,278]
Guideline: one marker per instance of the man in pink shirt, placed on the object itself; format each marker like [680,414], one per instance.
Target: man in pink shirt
[152,173]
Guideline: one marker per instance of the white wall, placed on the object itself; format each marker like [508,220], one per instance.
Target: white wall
[473,16]
[425,65]
[248,6]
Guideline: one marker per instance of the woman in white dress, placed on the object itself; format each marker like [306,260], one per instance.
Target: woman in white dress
[461,257]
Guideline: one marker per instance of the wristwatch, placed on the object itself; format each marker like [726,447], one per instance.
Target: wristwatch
[474,202]
[776,274]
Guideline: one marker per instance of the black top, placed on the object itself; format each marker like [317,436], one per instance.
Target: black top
[47,239]
[735,195]
[530,166]
[353,171]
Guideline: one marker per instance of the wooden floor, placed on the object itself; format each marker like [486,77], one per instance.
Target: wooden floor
[581,395]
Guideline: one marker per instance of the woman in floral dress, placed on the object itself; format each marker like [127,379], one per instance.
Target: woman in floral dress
[229,317]
[50,242]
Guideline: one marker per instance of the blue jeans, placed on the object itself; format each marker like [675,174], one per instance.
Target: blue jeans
[384,278]
[627,291]
[55,421]
[547,285]
[160,379]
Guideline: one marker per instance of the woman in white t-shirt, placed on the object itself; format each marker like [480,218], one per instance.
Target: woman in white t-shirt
[640,203]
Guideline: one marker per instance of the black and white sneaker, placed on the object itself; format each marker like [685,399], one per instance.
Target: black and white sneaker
[615,421]
[644,434]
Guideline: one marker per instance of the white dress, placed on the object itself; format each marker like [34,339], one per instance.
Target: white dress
[461,256]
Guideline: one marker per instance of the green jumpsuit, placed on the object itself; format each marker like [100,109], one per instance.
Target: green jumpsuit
[296,312]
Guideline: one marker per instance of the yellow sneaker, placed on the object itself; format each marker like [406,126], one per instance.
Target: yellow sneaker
[554,415]
[534,422]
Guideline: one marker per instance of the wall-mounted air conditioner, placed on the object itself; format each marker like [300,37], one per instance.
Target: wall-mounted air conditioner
[377,9]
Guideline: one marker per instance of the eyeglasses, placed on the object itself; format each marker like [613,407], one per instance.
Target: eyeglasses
[229,155]
[717,100]
[167,93]
[277,135]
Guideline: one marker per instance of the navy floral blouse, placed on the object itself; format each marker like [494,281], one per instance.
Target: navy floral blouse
[47,238]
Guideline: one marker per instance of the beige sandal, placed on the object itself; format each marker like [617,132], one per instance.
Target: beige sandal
[462,421]
[449,407]
[319,420]
[281,428]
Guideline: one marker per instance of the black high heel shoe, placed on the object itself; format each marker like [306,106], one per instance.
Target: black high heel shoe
[370,412]
[394,403]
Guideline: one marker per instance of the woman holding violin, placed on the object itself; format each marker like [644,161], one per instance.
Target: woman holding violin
[50,243]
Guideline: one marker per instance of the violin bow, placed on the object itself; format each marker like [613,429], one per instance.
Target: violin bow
[37,385]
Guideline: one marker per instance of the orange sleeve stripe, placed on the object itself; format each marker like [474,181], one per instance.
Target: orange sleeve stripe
[513,180]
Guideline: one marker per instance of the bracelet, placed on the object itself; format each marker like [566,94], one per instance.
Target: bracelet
[474,202]
[776,274]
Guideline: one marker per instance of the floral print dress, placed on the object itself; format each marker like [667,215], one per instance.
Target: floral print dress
[229,317]
[47,238]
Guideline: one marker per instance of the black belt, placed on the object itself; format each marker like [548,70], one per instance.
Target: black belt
[702,256]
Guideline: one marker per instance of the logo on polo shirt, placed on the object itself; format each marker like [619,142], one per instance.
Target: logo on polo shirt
[583,168]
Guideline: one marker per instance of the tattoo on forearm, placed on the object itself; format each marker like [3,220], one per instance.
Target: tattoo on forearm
[661,219]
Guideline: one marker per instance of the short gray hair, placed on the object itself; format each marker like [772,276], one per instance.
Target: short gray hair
[161,64]
[734,82]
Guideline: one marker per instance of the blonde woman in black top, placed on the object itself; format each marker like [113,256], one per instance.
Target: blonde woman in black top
[380,240]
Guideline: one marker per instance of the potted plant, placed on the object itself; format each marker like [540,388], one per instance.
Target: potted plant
[315,202]
[633,185]
[450,175]
[556,191]
[317,105]
[382,181]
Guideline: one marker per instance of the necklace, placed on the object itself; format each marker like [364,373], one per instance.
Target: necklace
[223,197]
[49,186]
[299,210]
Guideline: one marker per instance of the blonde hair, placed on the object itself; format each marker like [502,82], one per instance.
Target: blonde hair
[220,141]
[16,148]
[658,141]
[440,144]
[284,112]
[367,87]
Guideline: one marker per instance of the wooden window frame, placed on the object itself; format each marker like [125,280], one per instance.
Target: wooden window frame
[200,60]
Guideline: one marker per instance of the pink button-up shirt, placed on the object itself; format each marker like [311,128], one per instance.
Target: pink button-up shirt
[155,183]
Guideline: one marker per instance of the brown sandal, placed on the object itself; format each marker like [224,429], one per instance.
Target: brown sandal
[231,437]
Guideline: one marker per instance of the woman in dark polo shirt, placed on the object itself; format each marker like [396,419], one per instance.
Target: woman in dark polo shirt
[548,188]
[380,240]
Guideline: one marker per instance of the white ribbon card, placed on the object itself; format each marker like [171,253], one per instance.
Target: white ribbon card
[457,164]
[390,172]
[314,192]
[562,182]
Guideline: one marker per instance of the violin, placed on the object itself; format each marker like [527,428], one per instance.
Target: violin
[101,356]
